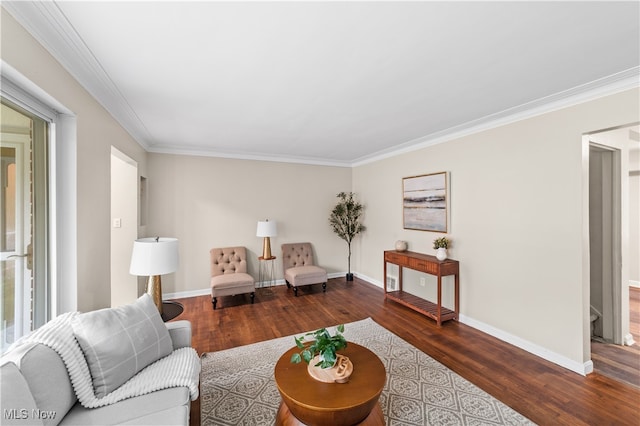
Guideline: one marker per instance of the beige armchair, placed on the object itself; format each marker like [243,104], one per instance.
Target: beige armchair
[299,268]
[229,273]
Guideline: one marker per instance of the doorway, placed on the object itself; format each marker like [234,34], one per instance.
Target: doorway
[613,251]
[604,243]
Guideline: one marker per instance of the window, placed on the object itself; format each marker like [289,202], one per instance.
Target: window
[24,235]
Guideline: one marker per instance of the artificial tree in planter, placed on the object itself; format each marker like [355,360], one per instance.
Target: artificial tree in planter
[345,222]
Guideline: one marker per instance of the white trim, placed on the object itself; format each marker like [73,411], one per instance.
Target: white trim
[207,291]
[62,184]
[251,157]
[606,86]
[47,23]
[635,284]
[530,347]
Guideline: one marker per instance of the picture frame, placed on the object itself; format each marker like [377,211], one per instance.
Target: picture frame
[425,202]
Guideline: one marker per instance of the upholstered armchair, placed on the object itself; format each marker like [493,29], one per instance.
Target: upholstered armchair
[299,268]
[229,273]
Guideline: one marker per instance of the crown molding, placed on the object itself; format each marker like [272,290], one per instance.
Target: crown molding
[48,25]
[251,157]
[610,85]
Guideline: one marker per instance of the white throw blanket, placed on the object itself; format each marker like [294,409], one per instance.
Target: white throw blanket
[180,368]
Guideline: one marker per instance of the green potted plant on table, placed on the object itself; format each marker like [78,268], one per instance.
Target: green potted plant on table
[345,222]
[441,245]
[324,346]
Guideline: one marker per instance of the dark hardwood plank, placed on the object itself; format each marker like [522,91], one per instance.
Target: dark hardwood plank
[542,391]
[621,362]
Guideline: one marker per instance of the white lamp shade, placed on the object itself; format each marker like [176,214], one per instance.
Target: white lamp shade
[153,256]
[267,229]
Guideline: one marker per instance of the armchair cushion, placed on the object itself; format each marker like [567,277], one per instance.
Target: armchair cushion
[305,275]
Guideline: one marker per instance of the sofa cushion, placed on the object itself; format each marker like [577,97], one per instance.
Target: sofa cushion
[48,379]
[119,342]
[173,403]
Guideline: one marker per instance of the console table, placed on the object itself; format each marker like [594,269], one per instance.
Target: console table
[429,265]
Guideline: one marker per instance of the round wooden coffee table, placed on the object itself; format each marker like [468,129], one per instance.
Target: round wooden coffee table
[306,401]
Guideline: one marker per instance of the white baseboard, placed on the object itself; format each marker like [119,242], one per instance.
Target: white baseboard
[207,291]
[530,347]
[635,284]
[185,294]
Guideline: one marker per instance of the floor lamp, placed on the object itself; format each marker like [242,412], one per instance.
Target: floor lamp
[154,257]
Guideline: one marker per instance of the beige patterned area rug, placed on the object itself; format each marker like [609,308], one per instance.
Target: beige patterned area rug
[237,385]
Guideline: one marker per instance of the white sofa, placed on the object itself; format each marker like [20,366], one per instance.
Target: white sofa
[36,388]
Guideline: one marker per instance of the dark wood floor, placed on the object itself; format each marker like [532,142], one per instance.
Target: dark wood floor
[621,362]
[542,391]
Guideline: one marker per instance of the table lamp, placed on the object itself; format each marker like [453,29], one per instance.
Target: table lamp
[266,229]
[154,257]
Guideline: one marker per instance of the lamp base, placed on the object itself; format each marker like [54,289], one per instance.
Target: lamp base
[154,289]
[266,248]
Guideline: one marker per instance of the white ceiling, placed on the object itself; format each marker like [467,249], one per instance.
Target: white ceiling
[336,83]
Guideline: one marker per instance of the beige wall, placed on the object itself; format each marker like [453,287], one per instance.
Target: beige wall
[124,208]
[215,202]
[516,220]
[97,131]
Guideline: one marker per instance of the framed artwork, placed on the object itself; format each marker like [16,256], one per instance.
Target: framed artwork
[425,202]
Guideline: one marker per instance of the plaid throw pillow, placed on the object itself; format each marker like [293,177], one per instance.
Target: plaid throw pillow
[119,342]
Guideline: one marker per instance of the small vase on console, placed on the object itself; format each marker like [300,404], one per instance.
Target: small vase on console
[401,245]
[441,253]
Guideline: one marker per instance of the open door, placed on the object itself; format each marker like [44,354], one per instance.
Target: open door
[604,243]
[609,235]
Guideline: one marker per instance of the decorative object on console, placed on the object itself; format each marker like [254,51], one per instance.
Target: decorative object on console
[401,245]
[425,202]
[345,222]
[266,229]
[154,257]
[441,245]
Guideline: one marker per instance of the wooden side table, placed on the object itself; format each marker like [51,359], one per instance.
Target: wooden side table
[266,271]
[171,309]
[308,401]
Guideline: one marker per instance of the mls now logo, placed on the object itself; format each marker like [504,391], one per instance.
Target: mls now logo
[23,414]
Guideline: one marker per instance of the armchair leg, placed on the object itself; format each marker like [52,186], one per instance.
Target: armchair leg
[215,302]
[253,296]
[288,285]
[324,287]
[295,291]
